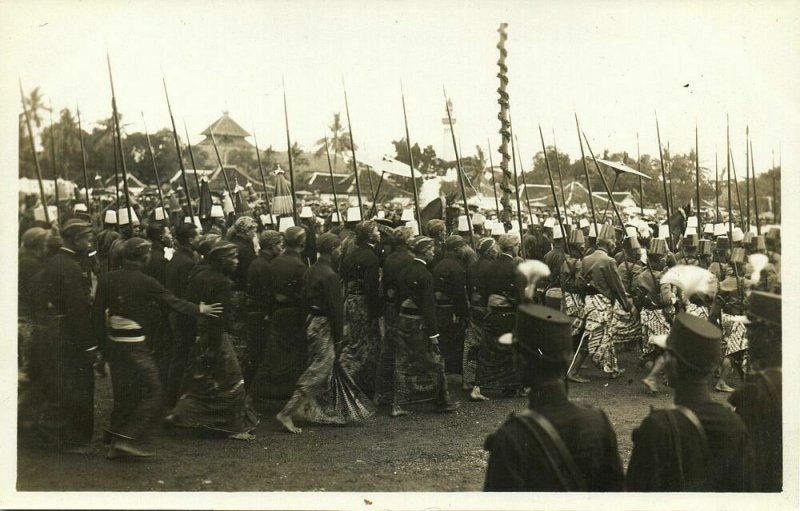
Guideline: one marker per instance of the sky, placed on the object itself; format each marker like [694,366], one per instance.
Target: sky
[616,64]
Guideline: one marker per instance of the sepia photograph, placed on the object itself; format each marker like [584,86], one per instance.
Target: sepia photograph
[399,254]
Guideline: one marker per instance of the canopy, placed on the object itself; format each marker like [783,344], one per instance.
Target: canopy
[389,165]
[621,168]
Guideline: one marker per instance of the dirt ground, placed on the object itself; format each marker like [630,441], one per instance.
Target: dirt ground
[425,451]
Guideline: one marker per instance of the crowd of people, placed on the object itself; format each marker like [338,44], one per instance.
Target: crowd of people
[202,322]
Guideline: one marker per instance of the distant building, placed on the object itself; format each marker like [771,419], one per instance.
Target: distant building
[228,136]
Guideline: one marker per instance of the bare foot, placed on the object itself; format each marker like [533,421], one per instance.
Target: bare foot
[651,385]
[398,411]
[286,420]
[476,395]
[576,378]
[724,387]
[243,436]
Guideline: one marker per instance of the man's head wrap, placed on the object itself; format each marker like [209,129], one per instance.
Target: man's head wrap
[269,239]
[222,249]
[485,244]
[294,236]
[135,249]
[34,238]
[327,243]
[245,226]
[420,244]
[508,242]
[75,227]
[206,242]
[363,231]
[402,235]
[454,242]
[435,227]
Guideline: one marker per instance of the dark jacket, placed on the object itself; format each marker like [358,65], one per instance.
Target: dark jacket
[415,283]
[450,284]
[517,461]
[258,283]
[246,255]
[323,294]
[599,273]
[65,290]
[178,269]
[157,265]
[478,274]
[506,280]
[287,281]
[360,273]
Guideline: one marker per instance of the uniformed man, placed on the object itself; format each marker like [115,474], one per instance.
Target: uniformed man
[31,261]
[243,235]
[450,293]
[360,274]
[285,348]
[63,347]
[436,229]
[478,276]
[626,321]
[121,317]
[106,238]
[700,445]
[506,287]
[759,402]
[688,255]
[392,266]
[602,284]
[419,366]
[556,444]
[729,309]
[574,300]
[258,306]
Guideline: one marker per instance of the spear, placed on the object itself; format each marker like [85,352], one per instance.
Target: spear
[55,167]
[83,160]
[747,174]
[494,185]
[410,159]
[516,182]
[261,170]
[119,145]
[35,156]
[586,172]
[738,195]
[353,149]
[333,183]
[696,174]
[289,154]
[560,178]
[716,184]
[191,158]
[664,181]
[180,156]
[116,165]
[755,189]
[641,190]
[153,159]
[461,173]
[564,238]
[221,167]
[669,178]
[730,207]
[522,174]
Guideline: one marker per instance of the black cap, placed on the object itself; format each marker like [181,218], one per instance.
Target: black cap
[543,333]
[695,342]
[765,307]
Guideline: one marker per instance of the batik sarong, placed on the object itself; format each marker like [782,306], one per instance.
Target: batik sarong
[573,307]
[215,399]
[496,361]
[734,334]
[357,354]
[238,323]
[284,356]
[654,322]
[384,379]
[325,393]
[419,367]
[627,328]
[598,330]
[473,339]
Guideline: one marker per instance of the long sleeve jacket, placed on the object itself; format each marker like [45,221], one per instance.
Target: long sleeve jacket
[600,274]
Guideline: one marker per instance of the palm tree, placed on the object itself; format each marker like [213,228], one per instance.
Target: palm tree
[339,140]
[35,104]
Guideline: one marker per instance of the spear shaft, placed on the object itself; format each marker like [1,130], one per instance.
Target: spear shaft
[564,238]
[333,183]
[586,173]
[83,161]
[755,188]
[738,195]
[697,174]
[747,175]
[42,196]
[669,178]
[641,190]
[494,184]
[353,149]
[291,160]
[730,201]
[560,178]
[222,168]
[261,171]
[194,167]
[410,159]
[119,145]
[664,181]
[180,156]
[716,184]
[461,173]
[116,165]
[514,155]
[55,167]
[155,167]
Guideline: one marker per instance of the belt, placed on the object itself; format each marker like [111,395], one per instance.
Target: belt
[409,311]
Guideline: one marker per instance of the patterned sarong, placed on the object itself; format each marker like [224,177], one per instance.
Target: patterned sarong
[325,393]
[419,367]
[384,379]
[653,322]
[627,328]
[599,329]
[473,338]
[573,307]
[734,334]
[496,361]
[284,356]
[359,344]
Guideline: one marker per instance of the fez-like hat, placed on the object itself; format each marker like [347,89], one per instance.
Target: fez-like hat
[353,214]
[607,232]
[414,226]
[694,341]
[720,230]
[463,224]
[576,238]
[691,222]
[217,211]
[407,216]
[285,223]
[80,207]
[552,298]
[583,222]
[550,222]
[306,212]
[765,307]
[738,255]
[708,228]
[758,243]
[738,235]
[631,243]
[723,243]
[748,238]
[542,333]
[705,247]
[557,233]
[110,217]
[498,229]
[122,216]
[774,233]
[658,246]
[690,240]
